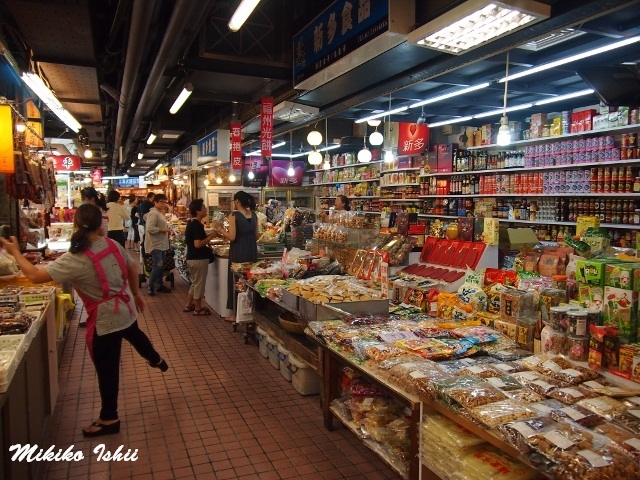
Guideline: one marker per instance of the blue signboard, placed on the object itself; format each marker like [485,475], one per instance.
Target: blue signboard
[208,146]
[339,30]
[182,161]
[126,182]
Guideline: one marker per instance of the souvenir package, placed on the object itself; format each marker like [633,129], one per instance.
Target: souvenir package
[505,411]
[516,304]
[629,420]
[578,414]
[570,395]
[476,395]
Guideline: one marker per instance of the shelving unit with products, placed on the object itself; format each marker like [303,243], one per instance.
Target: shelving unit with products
[545,182]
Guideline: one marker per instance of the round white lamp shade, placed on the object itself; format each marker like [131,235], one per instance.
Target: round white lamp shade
[314,138]
[364,155]
[315,158]
[376,138]
[504,136]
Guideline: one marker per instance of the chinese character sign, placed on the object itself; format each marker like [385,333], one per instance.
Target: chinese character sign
[413,139]
[278,173]
[266,126]
[66,163]
[236,145]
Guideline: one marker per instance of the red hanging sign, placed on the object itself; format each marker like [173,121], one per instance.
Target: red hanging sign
[266,126]
[66,163]
[236,146]
[413,139]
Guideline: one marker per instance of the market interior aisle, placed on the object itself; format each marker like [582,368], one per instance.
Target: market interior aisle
[221,411]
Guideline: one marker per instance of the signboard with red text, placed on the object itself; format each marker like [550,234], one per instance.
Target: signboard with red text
[413,139]
[66,163]
[266,126]
[236,145]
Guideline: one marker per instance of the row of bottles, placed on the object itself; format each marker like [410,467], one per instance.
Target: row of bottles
[470,160]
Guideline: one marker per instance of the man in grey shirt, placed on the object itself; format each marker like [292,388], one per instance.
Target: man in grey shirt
[156,242]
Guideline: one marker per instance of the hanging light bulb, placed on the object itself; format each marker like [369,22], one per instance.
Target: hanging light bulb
[314,137]
[504,133]
[315,157]
[232,178]
[88,153]
[20,127]
[206,182]
[326,165]
[218,179]
[290,171]
[251,175]
[376,138]
[364,155]
[388,156]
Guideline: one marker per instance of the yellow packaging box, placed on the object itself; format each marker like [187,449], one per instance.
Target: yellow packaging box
[583,222]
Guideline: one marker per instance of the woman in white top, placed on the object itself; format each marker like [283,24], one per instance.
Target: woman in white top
[118,215]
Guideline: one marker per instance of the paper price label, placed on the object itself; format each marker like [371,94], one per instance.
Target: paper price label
[558,439]
[572,392]
[417,374]
[542,408]
[496,382]
[633,442]
[529,375]
[571,372]
[553,366]
[635,400]
[390,337]
[476,369]
[616,391]
[572,413]
[635,413]
[593,458]
[545,386]
[505,367]
[593,384]
[600,404]
[524,429]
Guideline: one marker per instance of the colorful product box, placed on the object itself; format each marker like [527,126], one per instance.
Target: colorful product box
[620,311]
[591,272]
[591,296]
[623,275]
[583,222]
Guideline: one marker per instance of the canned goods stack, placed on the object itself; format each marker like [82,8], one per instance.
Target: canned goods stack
[567,332]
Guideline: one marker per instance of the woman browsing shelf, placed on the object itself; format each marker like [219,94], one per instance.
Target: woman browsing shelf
[341,204]
[243,234]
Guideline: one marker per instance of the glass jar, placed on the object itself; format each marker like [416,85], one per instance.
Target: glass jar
[578,348]
[577,322]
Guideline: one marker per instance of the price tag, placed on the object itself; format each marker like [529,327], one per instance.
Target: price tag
[595,385]
[553,366]
[367,401]
[545,386]
[572,392]
[572,413]
[505,367]
[496,382]
[542,408]
[571,372]
[593,458]
[529,375]
[477,369]
[417,374]
[635,400]
[600,404]
[633,442]
[558,439]
[524,429]
[616,391]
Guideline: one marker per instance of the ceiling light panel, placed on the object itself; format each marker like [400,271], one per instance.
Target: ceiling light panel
[477,22]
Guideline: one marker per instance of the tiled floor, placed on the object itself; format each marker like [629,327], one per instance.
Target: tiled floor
[220,412]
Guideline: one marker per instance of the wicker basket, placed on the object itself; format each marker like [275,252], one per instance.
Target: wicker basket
[290,323]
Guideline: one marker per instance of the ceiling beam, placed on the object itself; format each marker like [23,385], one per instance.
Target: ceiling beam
[254,68]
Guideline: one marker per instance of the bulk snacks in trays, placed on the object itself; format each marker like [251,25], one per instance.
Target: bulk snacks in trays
[504,411]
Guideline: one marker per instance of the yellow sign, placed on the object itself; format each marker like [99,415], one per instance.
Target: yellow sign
[32,140]
[7,164]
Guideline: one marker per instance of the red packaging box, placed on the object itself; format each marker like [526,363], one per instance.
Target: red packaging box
[445,157]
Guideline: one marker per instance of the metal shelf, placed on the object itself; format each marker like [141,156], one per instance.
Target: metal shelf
[621,226]
[375,162]
[491,195]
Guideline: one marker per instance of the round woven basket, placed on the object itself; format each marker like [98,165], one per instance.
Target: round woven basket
[290,323]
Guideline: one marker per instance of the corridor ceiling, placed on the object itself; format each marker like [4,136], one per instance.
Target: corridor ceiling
[117,66]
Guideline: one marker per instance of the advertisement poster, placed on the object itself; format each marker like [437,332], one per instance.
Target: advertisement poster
[260,169]
[413,139]
[278,176]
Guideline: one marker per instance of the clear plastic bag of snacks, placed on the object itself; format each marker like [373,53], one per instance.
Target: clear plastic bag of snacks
[525,395]
[476,395]
[517,432]
[629,420]
[539,383]
[610,389]
[508,367]
[480,371]
[623,437]
[504,411]
[454,366]
[448,433]
[487,462]
[442,386]
[545,407]
[578,414]
[570,395]
[579,454]
[506,383]
[603,406]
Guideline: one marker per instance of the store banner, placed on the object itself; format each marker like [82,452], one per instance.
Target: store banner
[266,126]
[413,139]
[96,175]
[260,169]
[236,145]
[7,164]
[66,163]
[279,176]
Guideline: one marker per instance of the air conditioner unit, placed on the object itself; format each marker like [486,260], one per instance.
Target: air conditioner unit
[292,112]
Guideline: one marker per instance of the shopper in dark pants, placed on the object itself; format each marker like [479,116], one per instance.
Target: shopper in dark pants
[243,234]
[106,279]
[156,242]
[118,215]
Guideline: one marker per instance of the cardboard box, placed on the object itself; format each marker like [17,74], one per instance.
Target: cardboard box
[623,275]
[591,271]
[431,161]
[538,119]
[591,296]
[516,238]
[583,222]
[445,157]
[620,311]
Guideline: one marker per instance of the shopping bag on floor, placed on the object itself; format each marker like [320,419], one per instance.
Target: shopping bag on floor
[244,308]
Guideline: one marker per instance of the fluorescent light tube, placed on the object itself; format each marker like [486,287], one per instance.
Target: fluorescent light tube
[35,83]
[572,58]
[241,14]
[383,114]
[451,94]
[152,138]
[448,122]
[184,94]
[502,111]
[559,98]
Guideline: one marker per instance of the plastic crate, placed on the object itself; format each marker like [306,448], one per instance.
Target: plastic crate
[13,342]
[35,295]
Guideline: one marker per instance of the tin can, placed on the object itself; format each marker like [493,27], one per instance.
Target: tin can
[577,348]
[577,322]
[558,318]
[624,140]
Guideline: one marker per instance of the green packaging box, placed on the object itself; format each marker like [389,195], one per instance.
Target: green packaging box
[623,275]
[620,311]
[591,296]
[591,271]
